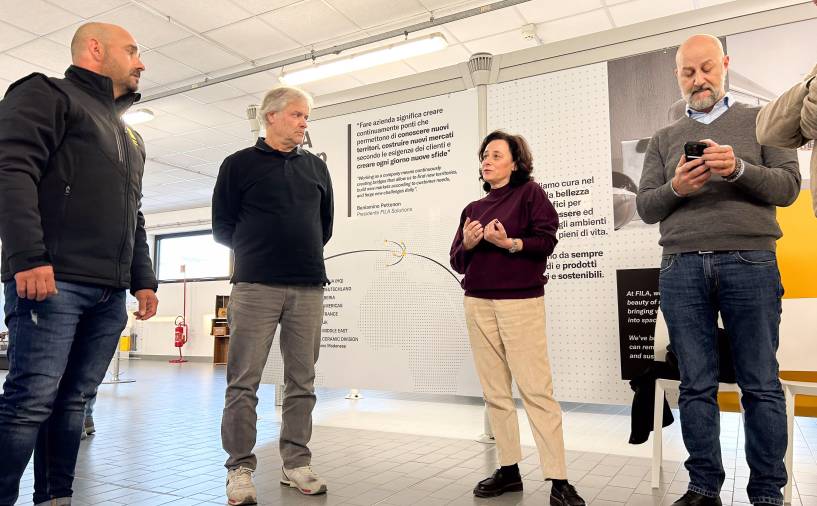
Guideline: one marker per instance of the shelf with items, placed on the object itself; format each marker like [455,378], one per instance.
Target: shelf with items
[220,330]
[222,302]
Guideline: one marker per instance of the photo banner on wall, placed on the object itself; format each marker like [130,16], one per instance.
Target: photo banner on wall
[634,118]
[393,316]
[589,128]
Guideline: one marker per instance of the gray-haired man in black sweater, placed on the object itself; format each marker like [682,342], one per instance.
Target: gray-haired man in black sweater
[273,206]
[718,230]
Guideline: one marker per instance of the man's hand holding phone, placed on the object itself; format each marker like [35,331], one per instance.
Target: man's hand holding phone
[720,158]
[690,175]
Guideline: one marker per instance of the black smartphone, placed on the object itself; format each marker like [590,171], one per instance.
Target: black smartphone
[694,150]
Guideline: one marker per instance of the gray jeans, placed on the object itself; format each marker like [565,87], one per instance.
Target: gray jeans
[254,313]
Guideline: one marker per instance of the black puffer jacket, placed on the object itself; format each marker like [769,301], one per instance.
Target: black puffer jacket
[71,182]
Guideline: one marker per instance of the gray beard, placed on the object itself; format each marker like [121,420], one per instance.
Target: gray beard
[704,103]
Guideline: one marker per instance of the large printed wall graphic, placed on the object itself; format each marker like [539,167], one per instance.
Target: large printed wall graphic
[402,174]
[393,312]
[636,113]
[565,117]
[588,128]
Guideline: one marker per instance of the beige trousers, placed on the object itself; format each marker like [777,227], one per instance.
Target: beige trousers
[508,342]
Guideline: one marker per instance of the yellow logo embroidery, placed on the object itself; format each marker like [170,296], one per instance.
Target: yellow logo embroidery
[133,138]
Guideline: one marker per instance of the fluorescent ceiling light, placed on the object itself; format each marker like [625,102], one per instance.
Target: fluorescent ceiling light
[392,53]
[137,116]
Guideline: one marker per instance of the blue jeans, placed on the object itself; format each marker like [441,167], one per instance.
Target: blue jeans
[59,350]
[89,405]
[744,286]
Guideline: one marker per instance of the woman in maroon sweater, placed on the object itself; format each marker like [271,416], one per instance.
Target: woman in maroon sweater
[501,247]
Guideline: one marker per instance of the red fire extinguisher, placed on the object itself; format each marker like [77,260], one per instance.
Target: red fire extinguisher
[180,334]
[179,338]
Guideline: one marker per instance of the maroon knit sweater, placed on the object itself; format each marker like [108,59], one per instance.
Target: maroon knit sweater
[491,272]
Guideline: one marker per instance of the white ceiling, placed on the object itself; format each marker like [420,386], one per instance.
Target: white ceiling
[751,53]
[184,42]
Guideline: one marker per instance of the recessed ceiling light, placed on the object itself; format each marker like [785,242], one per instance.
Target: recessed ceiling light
[137,116]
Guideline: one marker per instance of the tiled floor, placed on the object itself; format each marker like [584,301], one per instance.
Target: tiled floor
[157,442]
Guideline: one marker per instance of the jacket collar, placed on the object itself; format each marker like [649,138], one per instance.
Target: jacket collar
[261,144]
[101,87]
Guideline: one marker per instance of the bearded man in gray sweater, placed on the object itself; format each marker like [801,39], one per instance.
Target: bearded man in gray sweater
[718,230]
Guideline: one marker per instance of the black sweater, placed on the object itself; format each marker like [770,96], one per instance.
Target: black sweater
[275,211]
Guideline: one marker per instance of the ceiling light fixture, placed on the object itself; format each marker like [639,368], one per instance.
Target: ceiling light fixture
[137,116]
[380,56]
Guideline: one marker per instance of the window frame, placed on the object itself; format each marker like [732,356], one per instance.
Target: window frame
[157,252]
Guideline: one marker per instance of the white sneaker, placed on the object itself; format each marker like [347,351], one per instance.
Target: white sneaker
[240,488]
[304,479]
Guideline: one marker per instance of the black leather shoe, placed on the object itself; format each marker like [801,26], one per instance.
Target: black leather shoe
[695,499]
[498,484]
[565,495]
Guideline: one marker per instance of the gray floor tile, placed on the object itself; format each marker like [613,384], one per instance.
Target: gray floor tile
[587,493]
[367,498]
[575,475]
[408,498]
[616,494]
[645,488]
[141,457]
[678,487]
[643,500]
[596,481]
[804,477]
[807,488]
[606,470]
[634,470]
[625,481]
[431,485]
[452,491]
[602,502]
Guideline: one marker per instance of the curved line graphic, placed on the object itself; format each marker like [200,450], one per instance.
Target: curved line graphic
[401,255]
[357,251]
[438,263]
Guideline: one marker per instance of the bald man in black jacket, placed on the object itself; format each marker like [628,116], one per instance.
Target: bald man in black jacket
[73,240]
